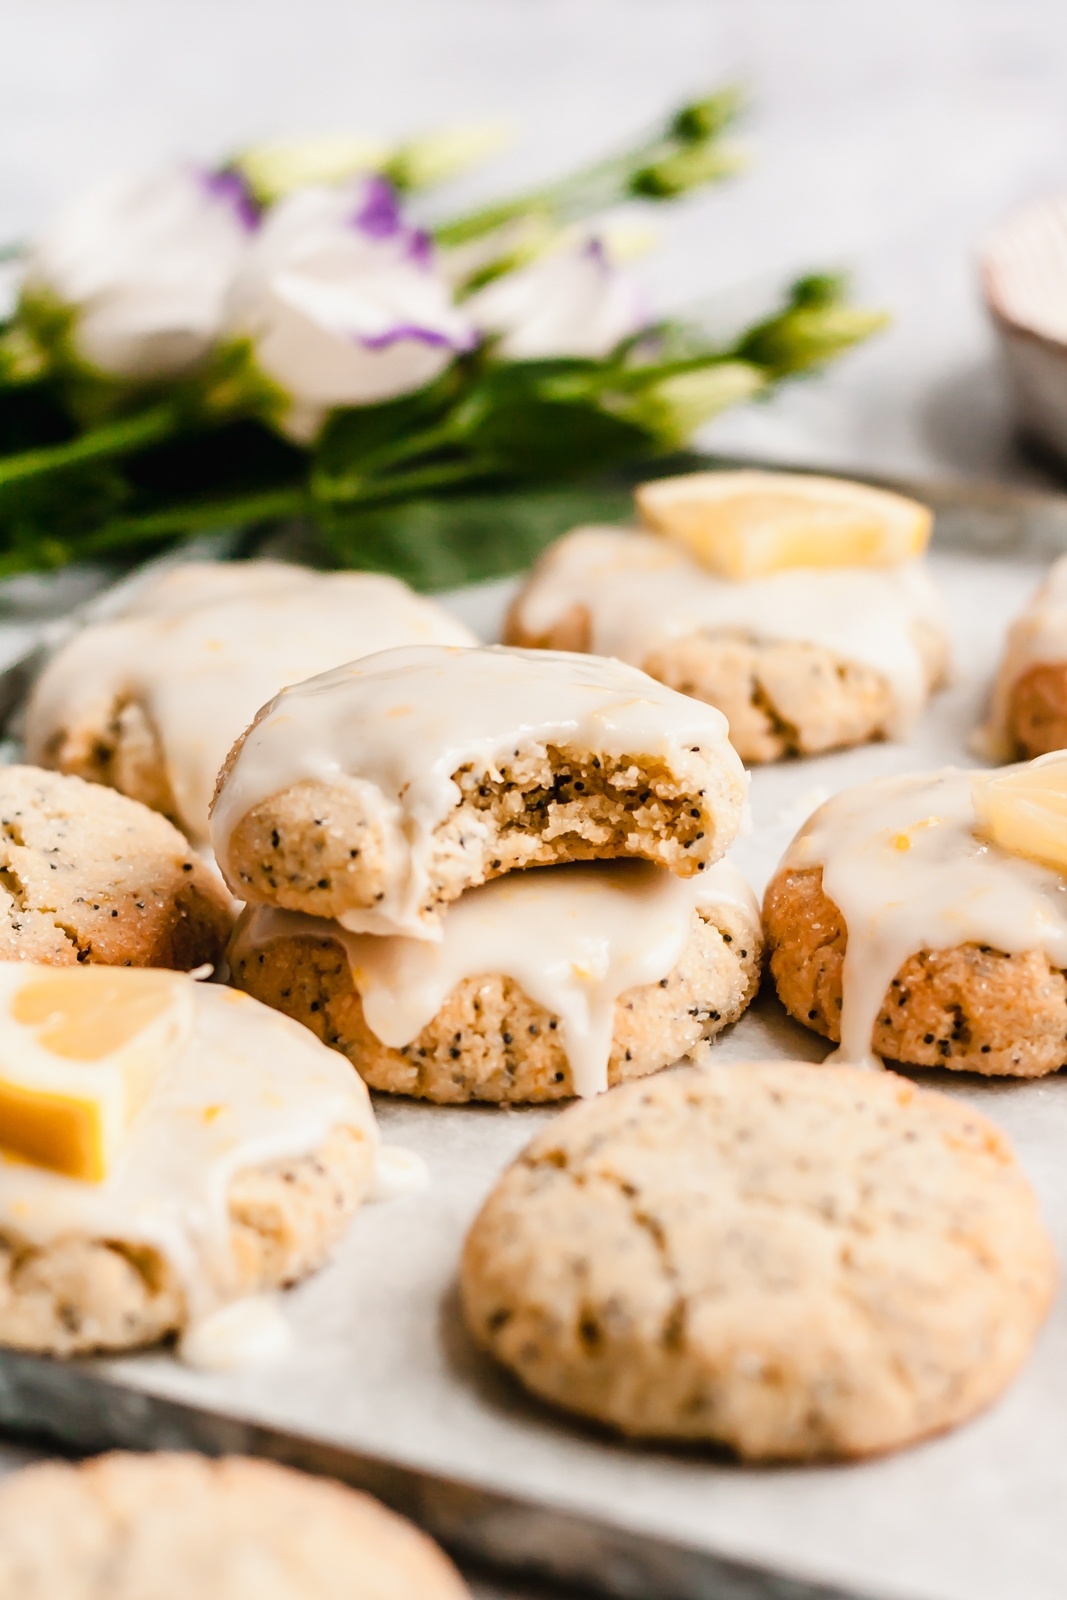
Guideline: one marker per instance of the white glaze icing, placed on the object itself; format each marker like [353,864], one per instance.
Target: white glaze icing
[641,591]
[903,863]
[1037,637]
[207,644]
[574,938]
[250,1088]
[397,1172]
[397,726]
[244,1333]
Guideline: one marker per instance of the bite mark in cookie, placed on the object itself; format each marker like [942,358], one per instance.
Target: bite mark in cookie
[377,794]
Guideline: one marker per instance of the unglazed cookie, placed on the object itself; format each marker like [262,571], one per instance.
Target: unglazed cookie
[378,793]
[238,1174]
[799,661]
[176,1526]
[896,928]
[151,701]
[545,984]
[87,875]
[1028,715]
[795,1262]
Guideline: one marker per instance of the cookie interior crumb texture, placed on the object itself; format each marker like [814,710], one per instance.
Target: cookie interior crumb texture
[182,1527]
[87,875]
[795,1262]
[459,766]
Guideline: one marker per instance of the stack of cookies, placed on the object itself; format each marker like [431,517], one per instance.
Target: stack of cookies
[380,822]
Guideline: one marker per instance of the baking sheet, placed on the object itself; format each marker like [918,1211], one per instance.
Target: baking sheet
[382,1385]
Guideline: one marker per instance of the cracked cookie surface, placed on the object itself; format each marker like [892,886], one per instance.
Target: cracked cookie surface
[87,875]
[172,1526]
[794,1262]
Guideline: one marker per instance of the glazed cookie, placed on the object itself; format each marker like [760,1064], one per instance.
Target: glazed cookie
[545,984]
[130,1210]
[1028,715]
[896,926]
[378,793]
[89,876]
[151,701]
[175,1526]
[795,1262]
[799,661]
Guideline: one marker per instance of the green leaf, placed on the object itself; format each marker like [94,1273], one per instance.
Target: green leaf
[441,543]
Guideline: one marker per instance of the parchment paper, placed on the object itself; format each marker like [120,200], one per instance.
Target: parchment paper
[380,1361]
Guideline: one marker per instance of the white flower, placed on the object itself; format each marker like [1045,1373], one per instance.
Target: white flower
[144,266]
[343,305]
[575,302]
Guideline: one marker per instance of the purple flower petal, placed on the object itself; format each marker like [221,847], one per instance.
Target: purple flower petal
[379,214]
[419,335]
[229,187]
[420,248]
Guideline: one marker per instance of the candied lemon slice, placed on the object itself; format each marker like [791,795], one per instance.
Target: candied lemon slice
[1024,808]
[749,524]
[80,1049]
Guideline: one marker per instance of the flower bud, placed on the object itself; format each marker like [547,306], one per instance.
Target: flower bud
[275,169]
[574,302]
[673,408]
[131,279]
[341,305]
[437,157]
[685,169]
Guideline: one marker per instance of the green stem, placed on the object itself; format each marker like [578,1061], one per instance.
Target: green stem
[236,511]
[118,438]
[421,481]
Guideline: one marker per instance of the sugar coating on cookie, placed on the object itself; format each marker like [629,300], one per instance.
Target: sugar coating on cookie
[544,984]
[87,875]
[799,661]
[897,928]
[239,1172]
[378,793]
[174,1526]
[151,701]
[1028,710]
[796,1262]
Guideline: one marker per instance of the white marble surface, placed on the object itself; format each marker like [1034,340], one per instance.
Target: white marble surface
[884,137]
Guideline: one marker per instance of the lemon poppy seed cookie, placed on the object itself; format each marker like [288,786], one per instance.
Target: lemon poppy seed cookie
[1028,715]
[150,702]
[170,1526]
[904,922]
[167,1149]
[795,1262]
[87,875]
[799,661]
[544,984]
[378,793]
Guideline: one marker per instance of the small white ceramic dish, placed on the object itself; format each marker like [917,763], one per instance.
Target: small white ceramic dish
[1024,281]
